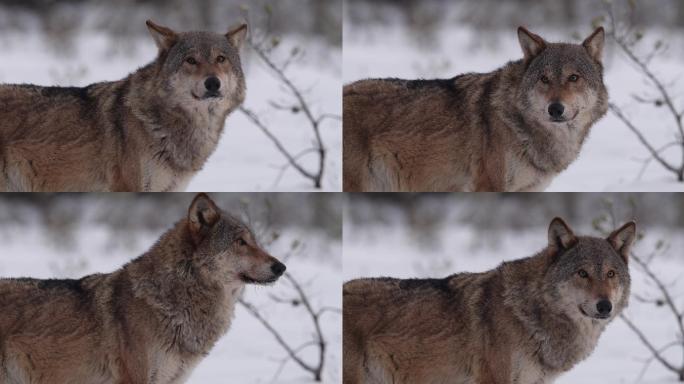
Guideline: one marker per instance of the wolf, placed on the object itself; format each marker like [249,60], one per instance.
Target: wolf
[526,321]
[513,129]
[152,131]
[151,321]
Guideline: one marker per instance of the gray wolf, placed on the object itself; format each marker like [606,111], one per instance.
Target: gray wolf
[513,129]
[526,321]
[151,321]
[151,131]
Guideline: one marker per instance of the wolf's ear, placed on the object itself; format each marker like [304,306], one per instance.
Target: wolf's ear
[202,215]
[622,239]
[560,235]
[594,44]
[236,35]
[530,43]
[164,37]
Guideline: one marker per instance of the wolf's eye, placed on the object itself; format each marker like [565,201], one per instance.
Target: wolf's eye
[544,79]
[220,59]
[191,61]
[241,242]
[573,78]
[611,274]
[583,274]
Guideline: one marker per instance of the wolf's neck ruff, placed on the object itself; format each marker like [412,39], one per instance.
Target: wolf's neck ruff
[195,306]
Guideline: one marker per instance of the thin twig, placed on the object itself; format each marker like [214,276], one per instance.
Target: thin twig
[626,42]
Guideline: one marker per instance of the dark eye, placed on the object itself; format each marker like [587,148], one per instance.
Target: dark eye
[611,274]
[544,79]
[191,61]
[241,242]
[220,59]
[573,78]
[583,274]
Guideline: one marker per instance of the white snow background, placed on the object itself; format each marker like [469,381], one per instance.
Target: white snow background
[611,158]
[393,249]
[245,159]
[248,353]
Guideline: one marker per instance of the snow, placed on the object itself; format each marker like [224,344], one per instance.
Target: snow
[393,250]
[612,157]
[245,159]
[247,353]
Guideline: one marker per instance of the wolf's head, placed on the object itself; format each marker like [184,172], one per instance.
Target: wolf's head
[201,67]
[228,247]
[588,276]
[563,83]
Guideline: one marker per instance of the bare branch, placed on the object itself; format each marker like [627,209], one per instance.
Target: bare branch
[654,153]
[626,39]
[319,340]
[647,343]
[263,45]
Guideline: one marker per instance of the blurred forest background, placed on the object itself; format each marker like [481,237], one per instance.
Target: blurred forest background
[61,215]
[430,15]
[62,20]
[514,212]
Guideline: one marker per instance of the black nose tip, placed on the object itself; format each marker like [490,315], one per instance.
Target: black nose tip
[556,110]
[604,307]
[278,268]
[212,83]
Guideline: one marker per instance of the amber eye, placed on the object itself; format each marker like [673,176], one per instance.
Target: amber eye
[544,79]
[241,242]
[583,274]
[191,61]
[573,78]
[220,59]
[611,274]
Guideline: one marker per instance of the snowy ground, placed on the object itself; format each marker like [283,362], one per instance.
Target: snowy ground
[248,353]
[245,159]
[611,159]
[619,358]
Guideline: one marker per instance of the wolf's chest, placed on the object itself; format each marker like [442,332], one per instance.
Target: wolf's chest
[528,371]
[158,177]
[521,176]
[171,369]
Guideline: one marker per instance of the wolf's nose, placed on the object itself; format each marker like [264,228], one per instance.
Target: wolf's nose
[212,84]
[278,268]
[556,110]
[604,307]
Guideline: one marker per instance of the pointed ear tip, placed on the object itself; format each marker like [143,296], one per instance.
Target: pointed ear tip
[200,196]
[558,220]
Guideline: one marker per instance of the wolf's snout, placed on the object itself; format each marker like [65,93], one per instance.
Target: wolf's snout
[604,307]
[212,84]
[278,268]
[556,110]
